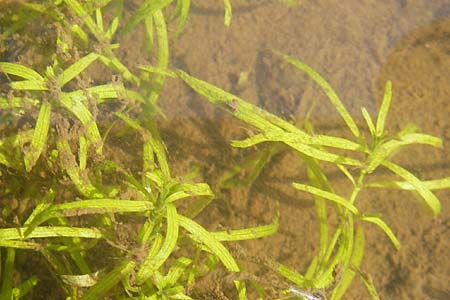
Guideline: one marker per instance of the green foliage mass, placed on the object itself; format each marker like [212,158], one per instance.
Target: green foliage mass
[74,199]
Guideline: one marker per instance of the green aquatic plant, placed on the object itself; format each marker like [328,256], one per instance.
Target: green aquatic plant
[341,249]
[159,261]
[66,196]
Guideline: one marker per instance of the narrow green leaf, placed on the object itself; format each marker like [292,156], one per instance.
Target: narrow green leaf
[380,223]
[287,273]
[247,233]
[115,64]
[30,85]
[250,141]
[163,54]
[201,235]
[77,31]
[20,245]
[355,262]
[20,70]
[227,17]
[369,122]
[75,69]
[39,136]
[82,152]
[436,184]
[68,162]
[382,114]
[367,280]
[94,206]
[327,195]
[79,109]
[48,232]
[109,281]
[384,150]
[241,289]
[157,70]
[152,263]
[430,199]
[185,190]
[99,19]
[184,11]
[176,271]
[421,138]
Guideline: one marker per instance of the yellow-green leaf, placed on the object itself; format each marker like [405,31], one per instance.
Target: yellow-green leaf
[39,136]
[326,195]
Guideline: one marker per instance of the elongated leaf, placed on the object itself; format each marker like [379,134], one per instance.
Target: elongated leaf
[367,280]
[247,233]
[152,263]
[109,281]
[184,6]
[94,206]
[203,236]
[382,114]
[20,70]
[20,245]
[48,232]
[384,150]
[163,54]
[380,223]
[327,195]
[82,152]
[241,289]
[287,273]
[68,162]
[76,106]
[430,199]
[75,69]
[241,109]
[30,85]
[152,69]
[184,190]
[420,138]
[369,122]
[176,270]
[329,91]
[436,184]
[355,262]
[115,64]
[227,18]
[39,136]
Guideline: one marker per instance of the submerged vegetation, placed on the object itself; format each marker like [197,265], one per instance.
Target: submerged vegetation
[110,230]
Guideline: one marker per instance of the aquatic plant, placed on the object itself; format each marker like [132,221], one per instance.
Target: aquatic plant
[67,198]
